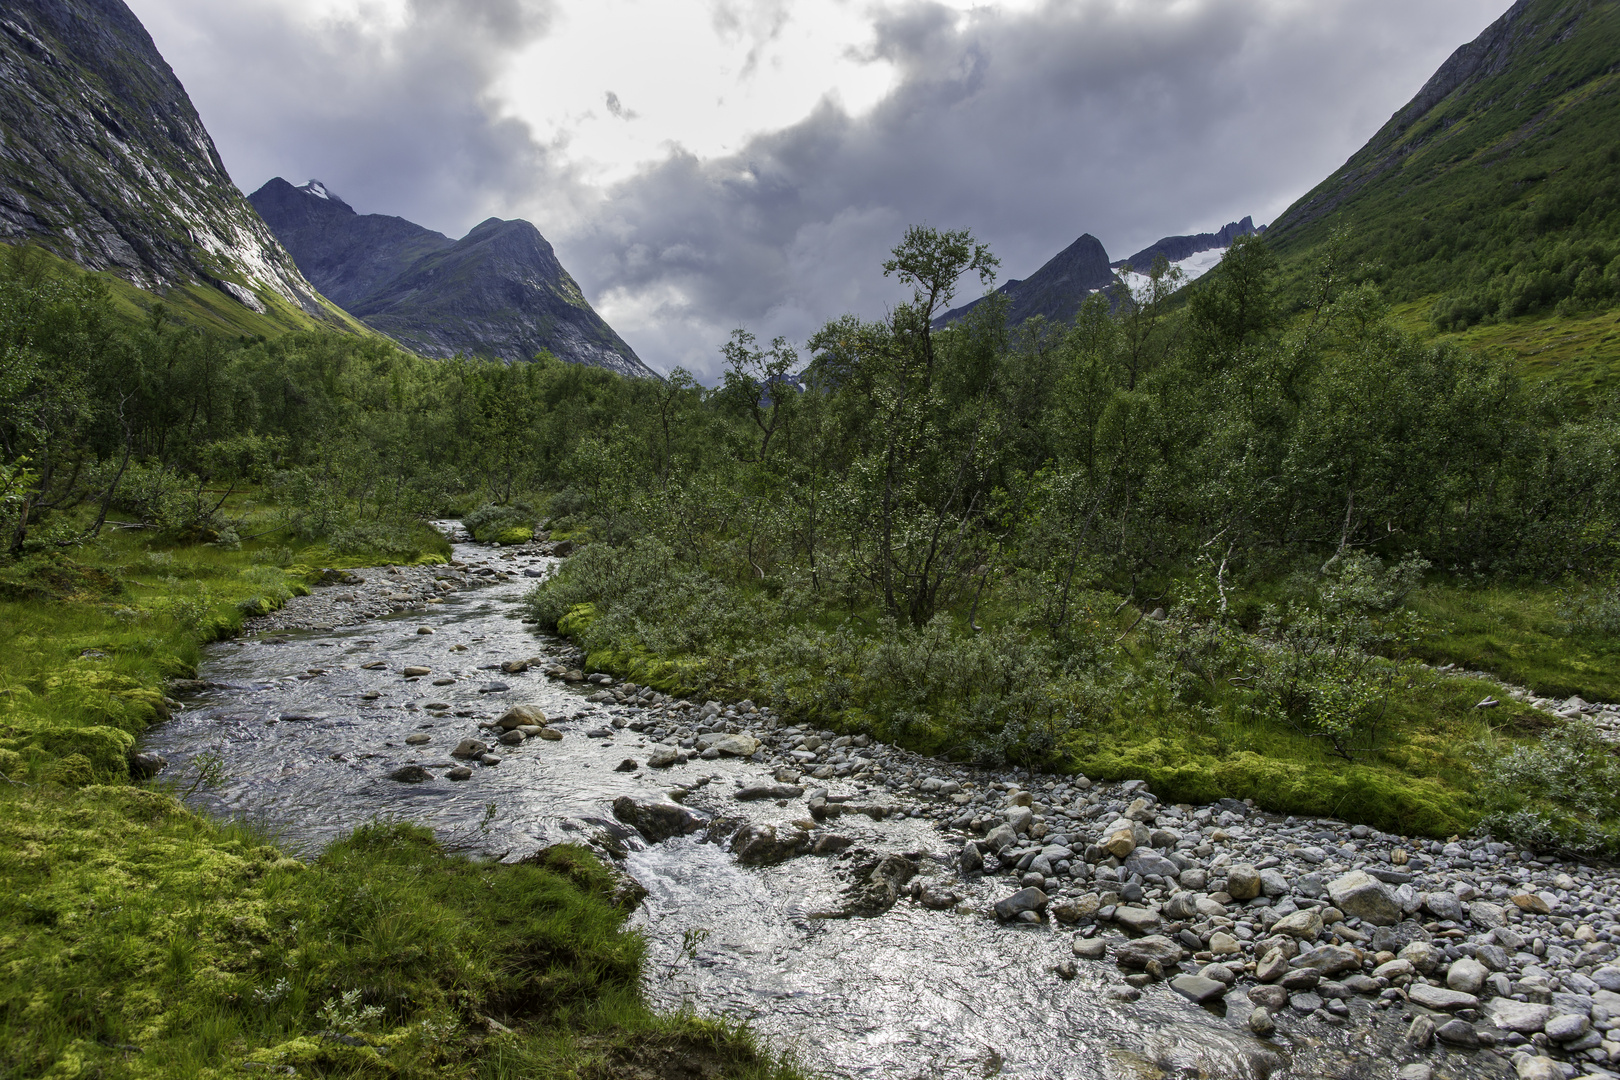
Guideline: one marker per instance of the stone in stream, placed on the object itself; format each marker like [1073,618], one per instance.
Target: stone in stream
[1467,975]
[627,765]
[515,667]
[655,820]
[410,774]
[1274,998]
[1138,920]
[375,665]
[415,671]
[663,759]
[511,738]
[424,629]
[1458,1033]
[970,860]
[1089,948]
[1261,1023]
[829,844]
[300,718]
[1525,1017]
[875,886]
[1197,988]
[488,759]
[1156,948]
[730,745]
[1567,1027]
[763,845]
[469,748]
[460,772]
[768,791]
[1329,960]
[494,688]
[1030,899]
[1305,924]
[551,734]
[417,739]
[1440,999]
[520,716]
[937,897]
[145,766]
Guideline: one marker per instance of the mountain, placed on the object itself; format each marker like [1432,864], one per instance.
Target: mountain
[497,292]
[1180,248]
[105,163]
[1490,197]
[1056,290]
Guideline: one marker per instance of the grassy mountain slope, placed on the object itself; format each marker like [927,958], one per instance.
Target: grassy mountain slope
[106,164]
[1489,205]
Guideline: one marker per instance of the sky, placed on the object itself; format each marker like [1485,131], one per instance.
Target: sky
[701,165]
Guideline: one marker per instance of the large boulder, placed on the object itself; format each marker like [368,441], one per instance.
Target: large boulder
[656,820]
[1361,896]
[1031,899]
[763,845]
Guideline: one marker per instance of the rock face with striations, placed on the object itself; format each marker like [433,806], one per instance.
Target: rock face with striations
[498,292]
[104,161]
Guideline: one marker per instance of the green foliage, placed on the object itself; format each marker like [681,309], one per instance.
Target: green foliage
[1559,791]
[502,524]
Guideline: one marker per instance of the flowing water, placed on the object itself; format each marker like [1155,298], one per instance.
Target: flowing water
[302,738]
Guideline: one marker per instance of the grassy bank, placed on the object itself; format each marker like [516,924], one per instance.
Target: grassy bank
[138,939]
[1199,706]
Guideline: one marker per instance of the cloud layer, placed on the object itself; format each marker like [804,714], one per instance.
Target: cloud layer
[1129,119]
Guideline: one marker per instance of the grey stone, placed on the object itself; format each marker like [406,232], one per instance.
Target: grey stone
[1138,920]
[460,772]
[1567,1027]
[1525,1017]
[1415,1071]
[1608,978]
[470,748]
[1305,924]
[1458,1033]
[1467,976]
[410,774]
[1146,861]
[662,759]
[655,820]
[1329,960]
[764,845]
[144,766]
[1000,838]
[1440,999]
[1197,988]
[768,791]
[1272,882]
[970,860]
[1360,895]
[418,739]
[1135,955]
[1261,1023]
[1444,905]
[1023,900]
[1487,915]
[1539,1068]
[1269,997]
[1089,948]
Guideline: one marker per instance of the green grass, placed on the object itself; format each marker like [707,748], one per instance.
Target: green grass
[141,940]
[1517,633]
[1580,352]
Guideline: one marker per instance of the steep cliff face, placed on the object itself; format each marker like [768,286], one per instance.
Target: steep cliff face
[497,292]
[104,161]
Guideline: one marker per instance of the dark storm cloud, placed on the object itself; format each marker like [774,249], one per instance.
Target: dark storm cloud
[1129,119]
[398,120]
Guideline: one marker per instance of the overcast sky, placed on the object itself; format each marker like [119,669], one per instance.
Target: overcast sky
[705,164]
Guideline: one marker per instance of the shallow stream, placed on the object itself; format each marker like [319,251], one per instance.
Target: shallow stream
[302,737]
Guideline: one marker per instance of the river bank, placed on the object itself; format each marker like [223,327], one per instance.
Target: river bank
[846,896]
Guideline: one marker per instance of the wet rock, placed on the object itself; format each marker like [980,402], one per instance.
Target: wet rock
[1071,911]
[663,759]
[1261,1023]
[1089,948]
[1200,1050]
[763,845]
[145,766]
[829,844]
[424,629]
[875,886]
[1136,955]
[417,739]
[520,716]
[516,667]
[768,791]
[1000,838]
[493,688]
[489,760]
[1138,920]
[1440,999]
[1539,1068]
[731,745]
[511,738]
[1272,966]
[1420,1032]
[1197,988]
[1458,1033]
[970,861]
[937,897]
[656,821]
[551,734]
[1416,1071]
[1272,998]
[415,671]
[460,772]
[1567,1028]
[1329,960]
[410,774]
[470,748]
[1305,924]
[1361,896]
[627,765]
[1031,899]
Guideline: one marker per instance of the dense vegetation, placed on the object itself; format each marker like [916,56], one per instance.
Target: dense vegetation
[1497,200]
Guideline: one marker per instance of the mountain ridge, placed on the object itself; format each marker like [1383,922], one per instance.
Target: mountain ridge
[499,291]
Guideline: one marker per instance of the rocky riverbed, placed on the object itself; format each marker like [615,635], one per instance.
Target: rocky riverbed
[889,914]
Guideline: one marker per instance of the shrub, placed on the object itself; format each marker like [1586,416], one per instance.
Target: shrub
[501,524]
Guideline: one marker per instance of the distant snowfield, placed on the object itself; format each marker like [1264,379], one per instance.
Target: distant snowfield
[1193,266]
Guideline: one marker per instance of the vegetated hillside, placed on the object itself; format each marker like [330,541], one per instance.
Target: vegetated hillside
[1056,291]
[1493,195]
[499,292]
[107,164]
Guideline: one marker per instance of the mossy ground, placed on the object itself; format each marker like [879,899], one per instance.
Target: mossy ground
[138,939]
